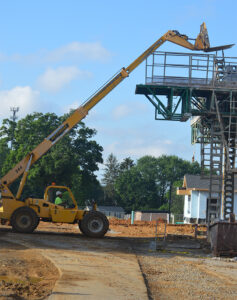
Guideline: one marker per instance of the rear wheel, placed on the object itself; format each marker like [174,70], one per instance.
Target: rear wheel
[94,224]
[24,219]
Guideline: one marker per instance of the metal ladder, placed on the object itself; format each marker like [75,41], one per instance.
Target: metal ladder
[212,161]
[215,176]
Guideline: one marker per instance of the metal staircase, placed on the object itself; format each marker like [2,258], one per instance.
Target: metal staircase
[230,159]
[220,67]
[212,162]
[227,130]
[229,183]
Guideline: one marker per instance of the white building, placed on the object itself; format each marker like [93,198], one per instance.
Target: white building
[196,192]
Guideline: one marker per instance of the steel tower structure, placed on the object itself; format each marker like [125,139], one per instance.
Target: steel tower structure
[203,88]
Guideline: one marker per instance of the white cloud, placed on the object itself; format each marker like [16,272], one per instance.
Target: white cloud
[55,79]
[121,111]
[23,97]
[138,140]
[137,148]
[125,110]
[67,108]
[72,51]
[168,142]
[77,50]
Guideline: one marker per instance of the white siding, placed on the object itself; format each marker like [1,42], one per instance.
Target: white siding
[187,214]
[199,204]
[202,204]
[194,204]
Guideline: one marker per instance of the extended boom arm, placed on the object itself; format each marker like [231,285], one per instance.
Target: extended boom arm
[201,43]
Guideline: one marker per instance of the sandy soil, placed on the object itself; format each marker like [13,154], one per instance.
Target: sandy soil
[148,229]
[179,271]
[24,273]
[123,228]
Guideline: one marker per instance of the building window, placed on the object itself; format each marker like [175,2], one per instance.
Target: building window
[189,204]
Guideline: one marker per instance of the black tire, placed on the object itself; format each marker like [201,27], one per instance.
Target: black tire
[37,222]
[24,220]
[79,225]
[94,224]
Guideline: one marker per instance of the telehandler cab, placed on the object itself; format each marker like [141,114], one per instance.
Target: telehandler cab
[24,214]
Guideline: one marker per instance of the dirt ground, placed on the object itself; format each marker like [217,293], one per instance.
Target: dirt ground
[148,229]
[24,273]
[183,268]
[123,228]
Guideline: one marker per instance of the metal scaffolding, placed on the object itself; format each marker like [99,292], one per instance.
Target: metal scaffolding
[202,87]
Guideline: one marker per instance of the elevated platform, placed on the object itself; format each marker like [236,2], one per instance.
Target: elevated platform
[182,85]
[204,71]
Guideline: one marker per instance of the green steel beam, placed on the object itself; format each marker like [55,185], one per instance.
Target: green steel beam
[191,101]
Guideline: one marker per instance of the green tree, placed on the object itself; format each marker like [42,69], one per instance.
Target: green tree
[72,161]
[172,169]
[176,205]
[147,185]
[137,186]
[132,190]
[111,173]
[4,152]
[148,168]
[126,164]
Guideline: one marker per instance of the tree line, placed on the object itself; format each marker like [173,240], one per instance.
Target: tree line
[148,183]
[71,162]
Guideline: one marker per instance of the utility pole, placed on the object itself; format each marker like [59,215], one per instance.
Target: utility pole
[13,117]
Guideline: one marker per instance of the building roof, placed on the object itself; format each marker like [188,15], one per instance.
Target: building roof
[196,183]
[109,208]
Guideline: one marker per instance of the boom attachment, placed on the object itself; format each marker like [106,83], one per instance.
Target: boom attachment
[202,40]
[201,43]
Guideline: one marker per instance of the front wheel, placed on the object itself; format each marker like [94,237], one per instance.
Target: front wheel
[24,219]
[94,224]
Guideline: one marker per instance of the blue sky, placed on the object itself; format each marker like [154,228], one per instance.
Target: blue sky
[55,54]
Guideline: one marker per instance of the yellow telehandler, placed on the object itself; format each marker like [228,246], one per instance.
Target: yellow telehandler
[25,214]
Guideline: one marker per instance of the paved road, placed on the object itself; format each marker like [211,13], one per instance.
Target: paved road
[89,268]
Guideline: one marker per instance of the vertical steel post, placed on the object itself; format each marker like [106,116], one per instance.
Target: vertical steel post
[132,217]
